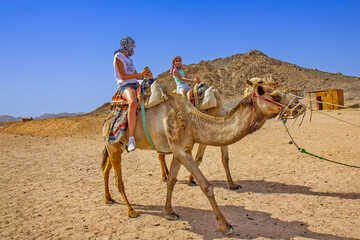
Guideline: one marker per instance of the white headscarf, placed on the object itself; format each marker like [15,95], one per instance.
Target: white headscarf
[126,44]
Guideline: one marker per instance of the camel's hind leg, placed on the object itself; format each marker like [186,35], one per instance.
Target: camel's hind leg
[186,159]
[115,159]
[106,167]
[198,159]
[164,169]
[225,162]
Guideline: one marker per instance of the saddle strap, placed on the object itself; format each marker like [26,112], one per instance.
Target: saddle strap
[196,96]
[146,130]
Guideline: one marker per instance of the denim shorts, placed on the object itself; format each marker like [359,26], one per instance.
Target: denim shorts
[183,87]
[134,85]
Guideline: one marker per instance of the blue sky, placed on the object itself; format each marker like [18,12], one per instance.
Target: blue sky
[56,55]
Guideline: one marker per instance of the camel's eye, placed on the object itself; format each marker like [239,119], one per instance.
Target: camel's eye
[261,90]
[276,97]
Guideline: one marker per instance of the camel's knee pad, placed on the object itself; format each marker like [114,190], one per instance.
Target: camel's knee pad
[209,190]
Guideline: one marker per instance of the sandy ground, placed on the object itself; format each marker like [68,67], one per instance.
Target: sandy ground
[52,186]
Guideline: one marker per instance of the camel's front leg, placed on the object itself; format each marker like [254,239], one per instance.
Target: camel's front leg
[198,159]
[115,158]
[174,170]
[225,162]
[208,189]
[164,169]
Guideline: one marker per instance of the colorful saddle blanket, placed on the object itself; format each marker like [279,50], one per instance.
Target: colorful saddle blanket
[149,91]
[118,125]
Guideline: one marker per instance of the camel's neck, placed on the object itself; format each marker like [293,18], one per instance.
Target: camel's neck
[219,131]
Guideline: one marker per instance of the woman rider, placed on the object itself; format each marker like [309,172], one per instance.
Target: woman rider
[127,80]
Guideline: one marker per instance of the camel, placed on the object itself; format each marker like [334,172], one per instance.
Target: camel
[175,126]
[221,110]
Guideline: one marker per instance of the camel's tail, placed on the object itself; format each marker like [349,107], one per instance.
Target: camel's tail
[105,156]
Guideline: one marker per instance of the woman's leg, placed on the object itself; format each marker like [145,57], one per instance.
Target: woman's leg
[130,96]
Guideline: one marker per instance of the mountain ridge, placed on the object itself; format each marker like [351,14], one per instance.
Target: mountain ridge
[7,118]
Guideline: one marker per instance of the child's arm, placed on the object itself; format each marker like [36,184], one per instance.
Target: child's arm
[177,74]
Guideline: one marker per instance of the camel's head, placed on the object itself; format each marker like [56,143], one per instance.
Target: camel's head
[273,102]
[267,80]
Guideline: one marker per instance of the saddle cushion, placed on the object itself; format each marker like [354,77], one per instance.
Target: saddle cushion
[209,100]
[202,96]
[157,95]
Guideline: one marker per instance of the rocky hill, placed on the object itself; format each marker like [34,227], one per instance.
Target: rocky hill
[228,75]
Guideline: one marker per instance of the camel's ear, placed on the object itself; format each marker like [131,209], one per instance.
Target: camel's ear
[248,82]
[260,90]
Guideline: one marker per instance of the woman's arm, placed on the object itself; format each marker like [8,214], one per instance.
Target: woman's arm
[120,67]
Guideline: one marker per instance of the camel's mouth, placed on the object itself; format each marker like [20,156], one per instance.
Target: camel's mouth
[291,108]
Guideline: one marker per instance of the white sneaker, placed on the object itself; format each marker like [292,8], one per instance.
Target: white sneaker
[131,144]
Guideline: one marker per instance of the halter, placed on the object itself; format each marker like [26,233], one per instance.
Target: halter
[281,106]
[254,95]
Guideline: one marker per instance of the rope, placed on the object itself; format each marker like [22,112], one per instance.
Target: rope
[302,150]
[341,106]
[327,114]
[146,130]
[336,118]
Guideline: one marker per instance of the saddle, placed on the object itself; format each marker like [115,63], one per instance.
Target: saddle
[202,96]
[149,91]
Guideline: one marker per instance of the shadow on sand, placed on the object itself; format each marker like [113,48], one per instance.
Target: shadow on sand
[247,224]
[250,224]
[261,186]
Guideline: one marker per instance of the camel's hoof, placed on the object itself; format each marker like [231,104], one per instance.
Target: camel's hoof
[109,201]
[192,183]
[172,216]
[227,229]
[235,186]
[133,214]
[164,179]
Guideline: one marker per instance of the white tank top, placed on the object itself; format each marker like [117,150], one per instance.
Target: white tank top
[128,68]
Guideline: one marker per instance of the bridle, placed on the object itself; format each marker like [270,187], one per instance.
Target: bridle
[283,108]
[254,95]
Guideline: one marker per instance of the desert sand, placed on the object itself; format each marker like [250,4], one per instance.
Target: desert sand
[52,184]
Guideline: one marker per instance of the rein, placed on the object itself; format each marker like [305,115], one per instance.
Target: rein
[143,115]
